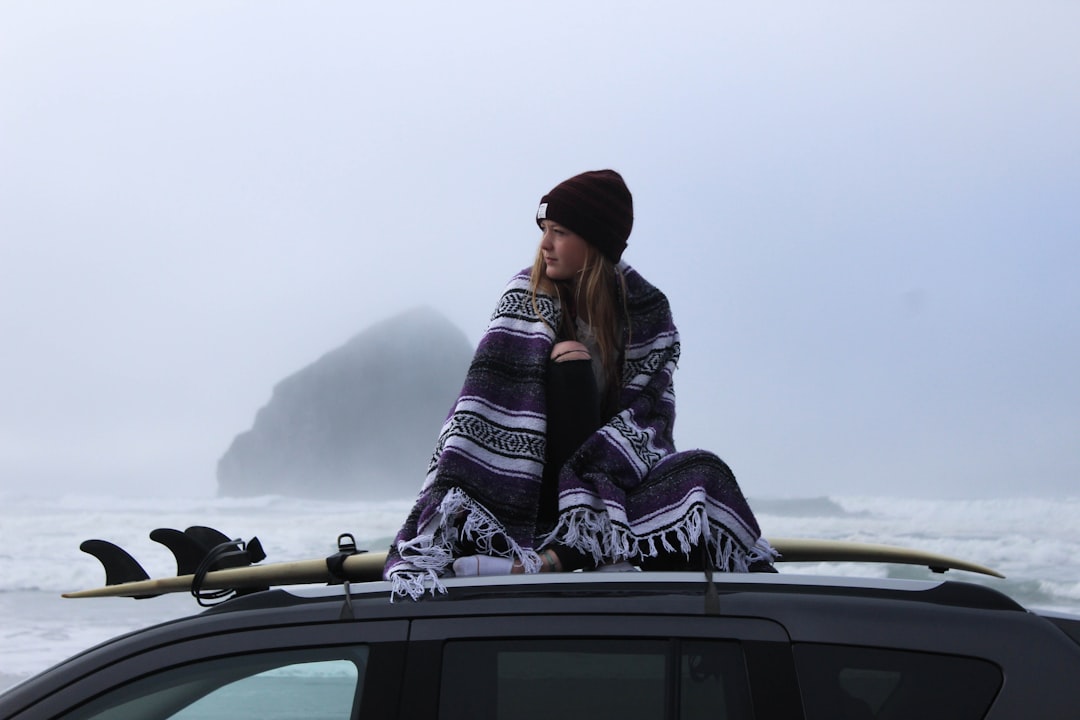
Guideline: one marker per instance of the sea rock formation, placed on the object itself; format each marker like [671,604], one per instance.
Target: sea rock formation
[359,422]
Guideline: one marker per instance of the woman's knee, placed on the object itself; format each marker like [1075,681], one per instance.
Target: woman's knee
[569,350]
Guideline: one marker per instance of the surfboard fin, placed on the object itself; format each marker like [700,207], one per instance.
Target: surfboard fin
[247,553]
[192,546]
[186,549]
[119,566]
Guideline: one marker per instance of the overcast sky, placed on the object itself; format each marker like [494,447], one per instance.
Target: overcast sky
[866,217]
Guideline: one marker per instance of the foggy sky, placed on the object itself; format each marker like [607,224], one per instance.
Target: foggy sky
[865,216]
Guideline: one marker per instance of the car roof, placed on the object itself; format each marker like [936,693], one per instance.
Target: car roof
[580,585]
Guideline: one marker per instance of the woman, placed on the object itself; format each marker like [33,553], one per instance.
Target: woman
[558,454]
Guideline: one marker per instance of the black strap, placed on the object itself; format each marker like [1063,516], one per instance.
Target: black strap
[227,554]
[335,565]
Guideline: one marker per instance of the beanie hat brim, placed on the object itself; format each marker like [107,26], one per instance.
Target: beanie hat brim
[596,205]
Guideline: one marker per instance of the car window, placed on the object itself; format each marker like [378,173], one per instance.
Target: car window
[593,677]
[320,684]
[852,683]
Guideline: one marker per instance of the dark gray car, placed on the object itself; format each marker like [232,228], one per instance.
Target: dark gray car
[628,646]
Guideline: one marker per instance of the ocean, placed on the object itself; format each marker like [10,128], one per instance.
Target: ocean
[1034,542]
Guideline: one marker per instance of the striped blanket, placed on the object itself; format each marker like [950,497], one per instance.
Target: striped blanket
[625,494]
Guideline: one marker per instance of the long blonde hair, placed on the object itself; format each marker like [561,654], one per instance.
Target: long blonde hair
[598,292]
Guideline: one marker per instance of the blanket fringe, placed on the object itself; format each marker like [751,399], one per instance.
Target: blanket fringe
[428,556]
[763,552]
[592,532]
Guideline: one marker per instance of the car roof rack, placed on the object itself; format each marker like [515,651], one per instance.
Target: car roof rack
[578,585]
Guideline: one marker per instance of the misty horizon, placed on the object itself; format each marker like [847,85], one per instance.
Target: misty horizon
[864,219]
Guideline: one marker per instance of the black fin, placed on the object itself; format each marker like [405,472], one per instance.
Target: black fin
[255,551]
[209,538]
[188,551]
[119,566]
[241,555]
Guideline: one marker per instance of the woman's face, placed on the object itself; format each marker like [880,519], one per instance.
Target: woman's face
[564,251]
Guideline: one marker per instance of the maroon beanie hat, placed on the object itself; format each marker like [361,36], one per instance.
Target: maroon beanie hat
[596,205]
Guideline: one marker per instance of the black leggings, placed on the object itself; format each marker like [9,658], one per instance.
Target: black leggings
[573,414]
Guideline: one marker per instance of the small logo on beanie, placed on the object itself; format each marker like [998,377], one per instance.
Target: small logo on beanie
[541,213]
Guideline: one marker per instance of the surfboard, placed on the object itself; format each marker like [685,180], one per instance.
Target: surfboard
[367,566]
[811,550]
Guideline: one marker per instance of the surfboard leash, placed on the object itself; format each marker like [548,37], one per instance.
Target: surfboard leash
[231,553]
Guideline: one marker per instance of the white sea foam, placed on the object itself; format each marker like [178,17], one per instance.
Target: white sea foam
[1023,537]
[1035,542]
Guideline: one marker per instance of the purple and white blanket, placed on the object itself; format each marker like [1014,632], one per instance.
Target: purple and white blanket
[626,493]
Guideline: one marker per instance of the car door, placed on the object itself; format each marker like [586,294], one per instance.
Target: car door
[588,666]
